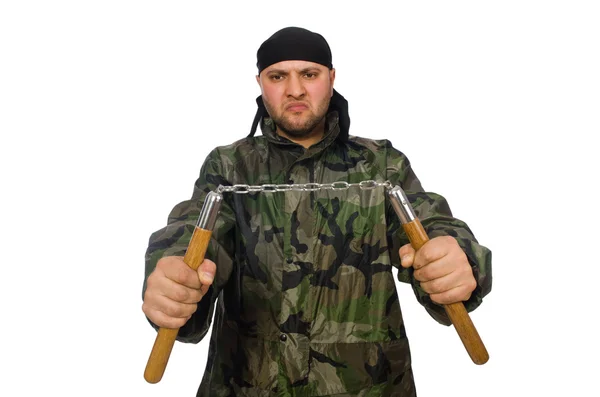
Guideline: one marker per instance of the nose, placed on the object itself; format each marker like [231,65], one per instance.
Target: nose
[295,86]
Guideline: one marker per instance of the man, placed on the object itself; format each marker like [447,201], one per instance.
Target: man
[306,300]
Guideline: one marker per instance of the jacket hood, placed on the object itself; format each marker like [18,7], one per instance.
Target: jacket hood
[337,103]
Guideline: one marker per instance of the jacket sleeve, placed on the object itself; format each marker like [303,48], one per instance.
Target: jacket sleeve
[173,239]
[434,213]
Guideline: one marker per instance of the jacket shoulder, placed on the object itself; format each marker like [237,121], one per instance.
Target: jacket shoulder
[242,149]
[377,146]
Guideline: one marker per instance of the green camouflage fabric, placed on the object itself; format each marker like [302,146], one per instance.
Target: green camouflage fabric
[305,297]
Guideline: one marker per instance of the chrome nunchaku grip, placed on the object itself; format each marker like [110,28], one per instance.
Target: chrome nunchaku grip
[210,210]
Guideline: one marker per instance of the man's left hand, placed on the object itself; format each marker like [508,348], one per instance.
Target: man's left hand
[442,268]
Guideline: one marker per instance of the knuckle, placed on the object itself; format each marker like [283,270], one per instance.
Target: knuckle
[164,317]
[458,295]
[428,255]
[472,285]
[466,273]
[173,322]
[435,286]
[420,275]
[448,239]
[146,308]
[182,310]
[152,280]
[175,311]
[156,317]
[172,309]
[181,275]
[163,263]
[180,294]
[405,249]
[417,275]
[160,263]
[196,296]
[437,298]
[149,299]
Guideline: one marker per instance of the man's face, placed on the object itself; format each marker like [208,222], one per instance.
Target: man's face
[296,95]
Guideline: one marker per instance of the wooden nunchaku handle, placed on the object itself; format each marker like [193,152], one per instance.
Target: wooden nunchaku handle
[456,311]
[165,339]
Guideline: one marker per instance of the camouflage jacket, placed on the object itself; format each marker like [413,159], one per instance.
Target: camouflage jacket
[305,298]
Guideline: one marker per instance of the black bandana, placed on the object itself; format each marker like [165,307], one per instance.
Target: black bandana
[290,44]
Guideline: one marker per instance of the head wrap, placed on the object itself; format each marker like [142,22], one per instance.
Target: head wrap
[293,43]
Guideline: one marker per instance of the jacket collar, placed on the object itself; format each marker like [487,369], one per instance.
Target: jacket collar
[332,131]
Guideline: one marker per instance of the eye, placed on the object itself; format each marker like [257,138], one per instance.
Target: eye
[310,75]
[275,77]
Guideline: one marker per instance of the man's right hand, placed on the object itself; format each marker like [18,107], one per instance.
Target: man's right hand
[173,291]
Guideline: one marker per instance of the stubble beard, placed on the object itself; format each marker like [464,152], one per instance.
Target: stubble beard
[293,128]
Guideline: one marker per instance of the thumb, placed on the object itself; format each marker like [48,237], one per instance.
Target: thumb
[206,272]
[407,255]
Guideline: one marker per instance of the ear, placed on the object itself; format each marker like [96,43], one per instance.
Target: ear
[332,79]
[258,79]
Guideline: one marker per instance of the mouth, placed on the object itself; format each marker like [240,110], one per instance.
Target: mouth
[296,107]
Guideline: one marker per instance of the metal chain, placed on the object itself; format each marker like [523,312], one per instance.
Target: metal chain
[302,187]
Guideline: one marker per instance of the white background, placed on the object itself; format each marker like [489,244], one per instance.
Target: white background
[108,109]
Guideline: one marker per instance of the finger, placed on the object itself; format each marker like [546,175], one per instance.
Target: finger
[164,321]
[433,270]
[407,255]
[177,270]
[204,289]
[433,250]
[206,272]
[161,285]
[180,293]
[458,294]
[170,307]
[442,284]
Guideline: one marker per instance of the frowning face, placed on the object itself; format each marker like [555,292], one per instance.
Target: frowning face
[296,94]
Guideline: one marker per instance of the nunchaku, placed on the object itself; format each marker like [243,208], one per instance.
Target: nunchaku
[194,255]
[456,311]
[165,338]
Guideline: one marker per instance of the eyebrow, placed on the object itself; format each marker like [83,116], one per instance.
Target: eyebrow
[286,72]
